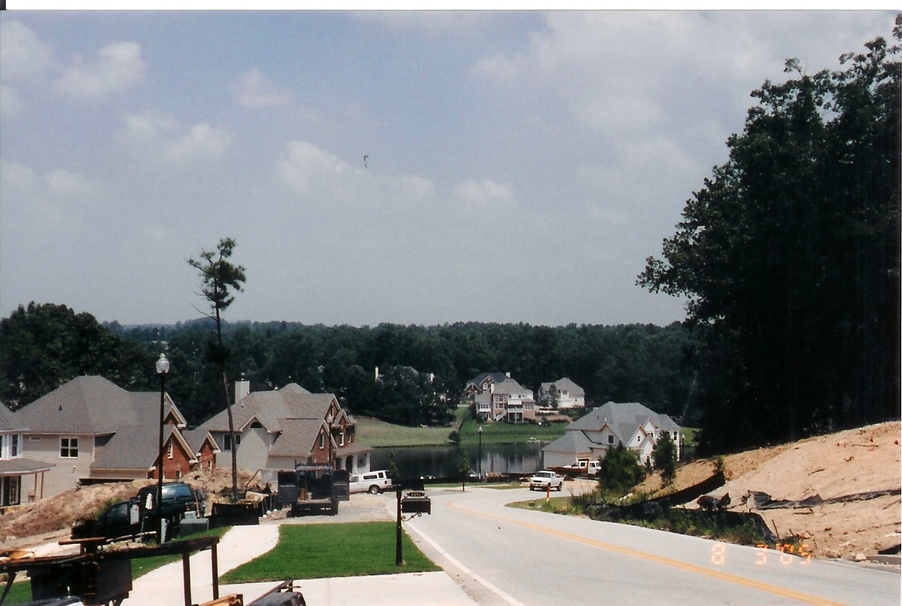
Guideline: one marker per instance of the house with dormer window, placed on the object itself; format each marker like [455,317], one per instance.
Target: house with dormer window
[275,430]
[562,394]
[631,424]
[90,430]
[506,400]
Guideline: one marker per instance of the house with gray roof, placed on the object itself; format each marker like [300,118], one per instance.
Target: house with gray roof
[275,430]
[507,401]
[562,394]
[483,382]
[631,424]
[18,474]
[90,430]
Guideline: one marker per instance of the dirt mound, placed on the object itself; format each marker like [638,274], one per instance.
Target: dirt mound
[851,463]
[52,518]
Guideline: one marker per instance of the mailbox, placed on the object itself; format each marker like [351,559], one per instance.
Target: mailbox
[416,502]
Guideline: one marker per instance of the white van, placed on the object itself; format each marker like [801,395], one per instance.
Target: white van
[372,482]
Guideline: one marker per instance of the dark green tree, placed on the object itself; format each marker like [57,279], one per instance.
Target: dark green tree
[220,279]
[620,469]
[664,457]
[789,257]
[45,345]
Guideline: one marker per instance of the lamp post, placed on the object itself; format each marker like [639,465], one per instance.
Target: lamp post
[329,420]
[479,431]
[162,370]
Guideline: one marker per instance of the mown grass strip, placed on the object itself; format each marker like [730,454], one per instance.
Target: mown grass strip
[310,551]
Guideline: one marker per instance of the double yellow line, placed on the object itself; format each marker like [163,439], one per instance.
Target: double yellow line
[723,576]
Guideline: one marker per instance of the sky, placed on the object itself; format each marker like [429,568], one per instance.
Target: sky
[379,166]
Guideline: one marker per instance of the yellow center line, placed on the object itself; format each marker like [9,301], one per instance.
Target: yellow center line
[723,576]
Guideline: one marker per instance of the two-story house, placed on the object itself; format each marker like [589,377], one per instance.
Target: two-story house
[562,394]
[89,430]
[17,473]
[506,400]
[630,424]
[483,383]
[274,430]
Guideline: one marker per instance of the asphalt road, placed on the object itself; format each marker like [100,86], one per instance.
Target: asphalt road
[506,556]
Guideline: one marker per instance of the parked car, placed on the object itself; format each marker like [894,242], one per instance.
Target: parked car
[137,515]
[373,482]
[120,520]
[543,480]
[178,499]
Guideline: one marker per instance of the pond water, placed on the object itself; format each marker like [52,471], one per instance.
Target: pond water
[444,461]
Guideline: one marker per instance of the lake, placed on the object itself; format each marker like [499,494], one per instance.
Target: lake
[444,461]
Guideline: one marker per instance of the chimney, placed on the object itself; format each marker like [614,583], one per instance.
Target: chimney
[242,388]
[508,375]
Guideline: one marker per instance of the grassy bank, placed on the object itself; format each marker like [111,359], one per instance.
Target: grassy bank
[377,433]
[311,551]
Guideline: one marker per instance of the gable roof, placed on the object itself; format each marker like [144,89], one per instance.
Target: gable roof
[509,386]
[496,377]
[564,384]
[135,448]
[272,408]
[622,418]
[93,405]
[10,421]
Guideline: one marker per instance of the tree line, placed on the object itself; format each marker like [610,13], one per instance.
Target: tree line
[422,369]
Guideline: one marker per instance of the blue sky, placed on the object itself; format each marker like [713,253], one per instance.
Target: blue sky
[520,165]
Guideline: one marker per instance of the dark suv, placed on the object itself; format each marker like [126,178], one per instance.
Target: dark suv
[137,515]
[178,498]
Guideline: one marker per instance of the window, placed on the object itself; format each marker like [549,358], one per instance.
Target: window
[341,439]
[9,491]
[610,439]
[14,446]
[322,440]
[169,454]
[68,448]
[227,441]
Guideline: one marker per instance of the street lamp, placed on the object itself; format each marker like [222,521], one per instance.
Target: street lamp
[479,431]
[329,420]
[162,371]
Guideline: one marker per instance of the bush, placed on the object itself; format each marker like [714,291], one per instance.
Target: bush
[620,469]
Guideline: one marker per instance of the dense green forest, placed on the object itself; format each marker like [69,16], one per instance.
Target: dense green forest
[418,365]
[789,257]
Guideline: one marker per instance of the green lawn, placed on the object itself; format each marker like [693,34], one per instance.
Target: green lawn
[381,434]
[312,551]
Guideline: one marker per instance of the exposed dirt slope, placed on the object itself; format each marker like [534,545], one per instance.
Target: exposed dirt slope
[850,462]
[52,518]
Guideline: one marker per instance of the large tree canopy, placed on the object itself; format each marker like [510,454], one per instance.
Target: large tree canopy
[43,346]
[789,257]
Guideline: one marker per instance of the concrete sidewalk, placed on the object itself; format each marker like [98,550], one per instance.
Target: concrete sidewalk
[164,586]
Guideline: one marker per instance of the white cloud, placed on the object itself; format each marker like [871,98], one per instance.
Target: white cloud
[10,103]
[65,183]
[21,51]
[118,67]
[161,140]
[303,163]
[485,193]
[326,179]
[15,175]
[428,21]
[253,89]
[500,67]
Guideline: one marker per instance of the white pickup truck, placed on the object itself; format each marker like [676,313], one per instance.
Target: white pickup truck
[543,480]
[584,467]
[372,482]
